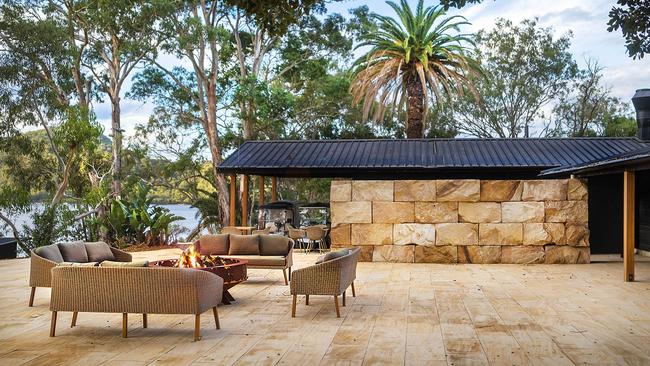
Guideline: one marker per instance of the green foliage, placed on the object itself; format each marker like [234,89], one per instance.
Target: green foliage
[632,17]
[50,226]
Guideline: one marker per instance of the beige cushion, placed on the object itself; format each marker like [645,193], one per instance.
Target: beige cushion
[124,264]
[274,245]
[261,260]
[244,245]
[75,264]
[50,252]
[74,252]
[214,244]
[99,252]
[337,254]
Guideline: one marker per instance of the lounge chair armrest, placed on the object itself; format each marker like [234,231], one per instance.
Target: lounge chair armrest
[319,279]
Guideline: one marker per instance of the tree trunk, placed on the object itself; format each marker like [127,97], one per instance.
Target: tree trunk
[117,145]
[415,112]
[215,153]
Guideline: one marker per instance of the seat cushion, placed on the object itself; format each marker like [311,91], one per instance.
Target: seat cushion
[261,260]
[74,252]
[124,264]
[50,252]
[274,245]
[75,264]
[214,244]
[244,245]
[99,252]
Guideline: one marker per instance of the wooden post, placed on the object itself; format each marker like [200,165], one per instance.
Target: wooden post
[244,202]
[628,225]
[274,189]
[233,199]
[261,197]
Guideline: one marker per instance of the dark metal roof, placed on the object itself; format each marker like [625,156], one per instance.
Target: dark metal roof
[418,157]
[639,157]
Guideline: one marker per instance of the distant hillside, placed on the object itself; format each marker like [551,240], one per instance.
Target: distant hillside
[41,135]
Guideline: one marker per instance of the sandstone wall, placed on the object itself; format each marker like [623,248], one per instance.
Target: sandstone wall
[462,221]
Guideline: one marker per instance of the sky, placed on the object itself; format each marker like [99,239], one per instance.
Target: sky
[586,19]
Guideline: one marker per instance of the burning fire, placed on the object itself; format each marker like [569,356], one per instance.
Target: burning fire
[192,258]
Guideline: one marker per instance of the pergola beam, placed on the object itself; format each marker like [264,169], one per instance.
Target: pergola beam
[628,224]
[244,202]
[274,189]
[233,199]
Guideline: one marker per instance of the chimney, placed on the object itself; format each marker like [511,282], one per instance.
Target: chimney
[641,101]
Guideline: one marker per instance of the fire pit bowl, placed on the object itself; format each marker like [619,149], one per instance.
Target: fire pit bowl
[233,271]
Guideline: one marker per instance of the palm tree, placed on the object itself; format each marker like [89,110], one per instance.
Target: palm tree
[411,60]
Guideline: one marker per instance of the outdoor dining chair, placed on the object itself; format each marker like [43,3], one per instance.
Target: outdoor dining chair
[316,234]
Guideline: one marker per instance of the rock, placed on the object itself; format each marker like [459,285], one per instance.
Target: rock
[393,212]
[372,190]
[351,212]
[577,235]
[544,233]
[479,212]
[479,254]
[393,253]
[521,254]
[340,191]
[577,190]
[372,234]
[365,255]
[415,190]
[457,234]
[522,212]
[436,212]
[544,190]
[501,190]
[562,254]
[461,190]
[445,254]
[573,212]
[420,234]
[340,234]
[501,234]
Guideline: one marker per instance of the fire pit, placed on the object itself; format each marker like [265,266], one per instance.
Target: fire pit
[233,271]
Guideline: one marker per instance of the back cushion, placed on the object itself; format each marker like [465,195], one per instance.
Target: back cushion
[274,245]
[337,254]
[214,244]
[50,252]
[244,245]
[74,252]
[99,252]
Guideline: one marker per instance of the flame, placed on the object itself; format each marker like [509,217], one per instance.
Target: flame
[192,258]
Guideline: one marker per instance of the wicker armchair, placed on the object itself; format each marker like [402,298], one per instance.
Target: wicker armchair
[144,290]
[327,278]
[41,266]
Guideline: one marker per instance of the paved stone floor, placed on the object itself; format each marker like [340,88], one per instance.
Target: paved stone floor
[411,314]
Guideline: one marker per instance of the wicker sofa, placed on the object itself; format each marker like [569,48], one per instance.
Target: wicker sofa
[145,290]
[261,251]
[43,259]
[330,277]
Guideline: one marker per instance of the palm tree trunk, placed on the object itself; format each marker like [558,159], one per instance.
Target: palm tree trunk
[415,111]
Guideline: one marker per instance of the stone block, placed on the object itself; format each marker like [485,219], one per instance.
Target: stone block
[340,234]
[393,212]
[577,190]
[479,254]
[461,190]
[480,212]
[501,234]
[562,254]
[393,253]
[522,212]
[457,234]
[365,255]
[351,212]
[522,254]
[372,190]
[501,190]
[544,233]
[415,190]
[577,235]
[420,234]
[445,254]
[544,190]
[372,234]
[341,191]
[436,212]
[572,212]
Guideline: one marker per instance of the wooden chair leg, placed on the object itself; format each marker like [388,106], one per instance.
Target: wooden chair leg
[284,273]
[144,321]
[31,297]
[216,317]
[125,324]
[53,324]
[74,319]
[293,306]
[343,298]
[197,327]
[306,299]
[353,293]
[336,305]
